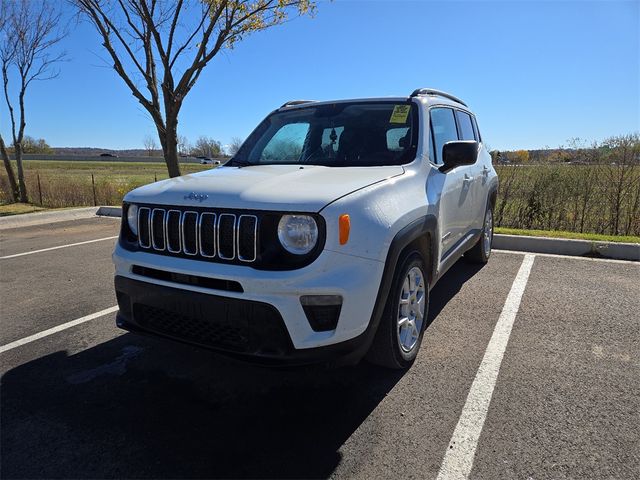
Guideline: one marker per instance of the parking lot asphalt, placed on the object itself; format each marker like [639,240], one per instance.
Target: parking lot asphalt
[41,290]
[94,401]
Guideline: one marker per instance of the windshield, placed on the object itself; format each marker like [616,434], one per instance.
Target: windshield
[337,135]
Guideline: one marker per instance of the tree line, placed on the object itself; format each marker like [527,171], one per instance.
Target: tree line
[32,145]
[203,146]
[575,152]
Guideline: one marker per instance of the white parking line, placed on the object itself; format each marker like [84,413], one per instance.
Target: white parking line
[56,248]
[461,450]
[59,328]
[570,257]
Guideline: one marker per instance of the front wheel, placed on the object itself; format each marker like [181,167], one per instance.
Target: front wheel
[402,326]
[481,251]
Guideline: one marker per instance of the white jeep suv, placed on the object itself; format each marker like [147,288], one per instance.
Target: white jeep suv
[320,240]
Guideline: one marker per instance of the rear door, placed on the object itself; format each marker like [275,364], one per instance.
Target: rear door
[454,216]
[477,203]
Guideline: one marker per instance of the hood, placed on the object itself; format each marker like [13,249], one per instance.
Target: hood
[264,187]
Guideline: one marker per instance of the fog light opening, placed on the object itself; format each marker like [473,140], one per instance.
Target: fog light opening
[322,311]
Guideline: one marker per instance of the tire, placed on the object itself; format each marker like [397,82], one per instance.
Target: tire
[396,344]
[481,251]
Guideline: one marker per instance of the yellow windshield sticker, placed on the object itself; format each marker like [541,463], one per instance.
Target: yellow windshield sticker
[400,114]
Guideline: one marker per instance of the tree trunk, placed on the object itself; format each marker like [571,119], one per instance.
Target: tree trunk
[23,187]
[171,157]
[7,165]
[17,144]
[169,143]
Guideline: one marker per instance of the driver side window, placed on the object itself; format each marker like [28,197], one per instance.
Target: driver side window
[443,130]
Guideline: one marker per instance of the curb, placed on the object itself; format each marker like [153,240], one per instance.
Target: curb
[42,218]
[563,246]
[109,212]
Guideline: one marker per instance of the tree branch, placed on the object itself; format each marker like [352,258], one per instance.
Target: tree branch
[95,15]
[155,27]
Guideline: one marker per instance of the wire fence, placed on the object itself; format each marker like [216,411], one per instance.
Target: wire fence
[77,190]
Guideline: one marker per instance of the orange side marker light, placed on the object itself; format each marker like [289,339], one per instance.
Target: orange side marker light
[344,223]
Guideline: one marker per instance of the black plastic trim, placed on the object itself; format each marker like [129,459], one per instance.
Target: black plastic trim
[439,93]
[494,191]
[455,253]
[185,279]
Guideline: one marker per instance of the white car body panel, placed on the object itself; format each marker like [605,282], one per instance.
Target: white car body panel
[380,201]
[266,187]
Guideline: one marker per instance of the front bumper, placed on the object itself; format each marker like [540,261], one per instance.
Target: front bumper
[265,321]
[250,331]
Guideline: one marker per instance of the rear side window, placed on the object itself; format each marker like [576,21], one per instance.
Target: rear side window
[443,126]
[475,127]
[466,126]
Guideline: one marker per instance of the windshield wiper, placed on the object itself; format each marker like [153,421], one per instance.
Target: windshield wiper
[236,162]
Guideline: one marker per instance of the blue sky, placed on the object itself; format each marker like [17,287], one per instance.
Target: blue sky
[536,73]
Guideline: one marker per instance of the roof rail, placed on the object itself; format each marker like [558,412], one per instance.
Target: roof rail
[296,102]
[440,93]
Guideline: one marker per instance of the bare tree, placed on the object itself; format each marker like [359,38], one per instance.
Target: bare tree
[164,46]
[235,145]
[6,54]
[618,171]
[30,34]
[183,145]
[150,145]
[13,186]
[206,147]
[508,175]
[33,145]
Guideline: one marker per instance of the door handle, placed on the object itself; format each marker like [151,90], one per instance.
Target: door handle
[485,171]
[467,179]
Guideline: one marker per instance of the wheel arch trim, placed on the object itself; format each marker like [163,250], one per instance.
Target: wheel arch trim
[493,194]
[423,227]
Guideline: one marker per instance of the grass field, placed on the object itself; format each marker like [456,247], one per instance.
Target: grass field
[69,184]
[593,237]
[117,171]
[18,208]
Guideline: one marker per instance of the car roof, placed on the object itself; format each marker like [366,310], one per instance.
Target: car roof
[425,100]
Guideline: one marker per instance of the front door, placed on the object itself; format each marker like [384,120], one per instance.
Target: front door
[456,184]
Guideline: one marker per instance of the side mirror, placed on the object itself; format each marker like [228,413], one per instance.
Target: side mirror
[454,154]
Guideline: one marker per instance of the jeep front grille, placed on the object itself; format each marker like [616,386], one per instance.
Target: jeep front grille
[224,236]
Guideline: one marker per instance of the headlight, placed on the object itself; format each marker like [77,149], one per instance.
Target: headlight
[298,234]
[132,218]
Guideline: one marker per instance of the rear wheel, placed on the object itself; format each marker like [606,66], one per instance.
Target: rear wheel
[404,320]
[481,251]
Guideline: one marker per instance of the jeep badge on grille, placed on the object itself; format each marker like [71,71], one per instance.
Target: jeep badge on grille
[200,197]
